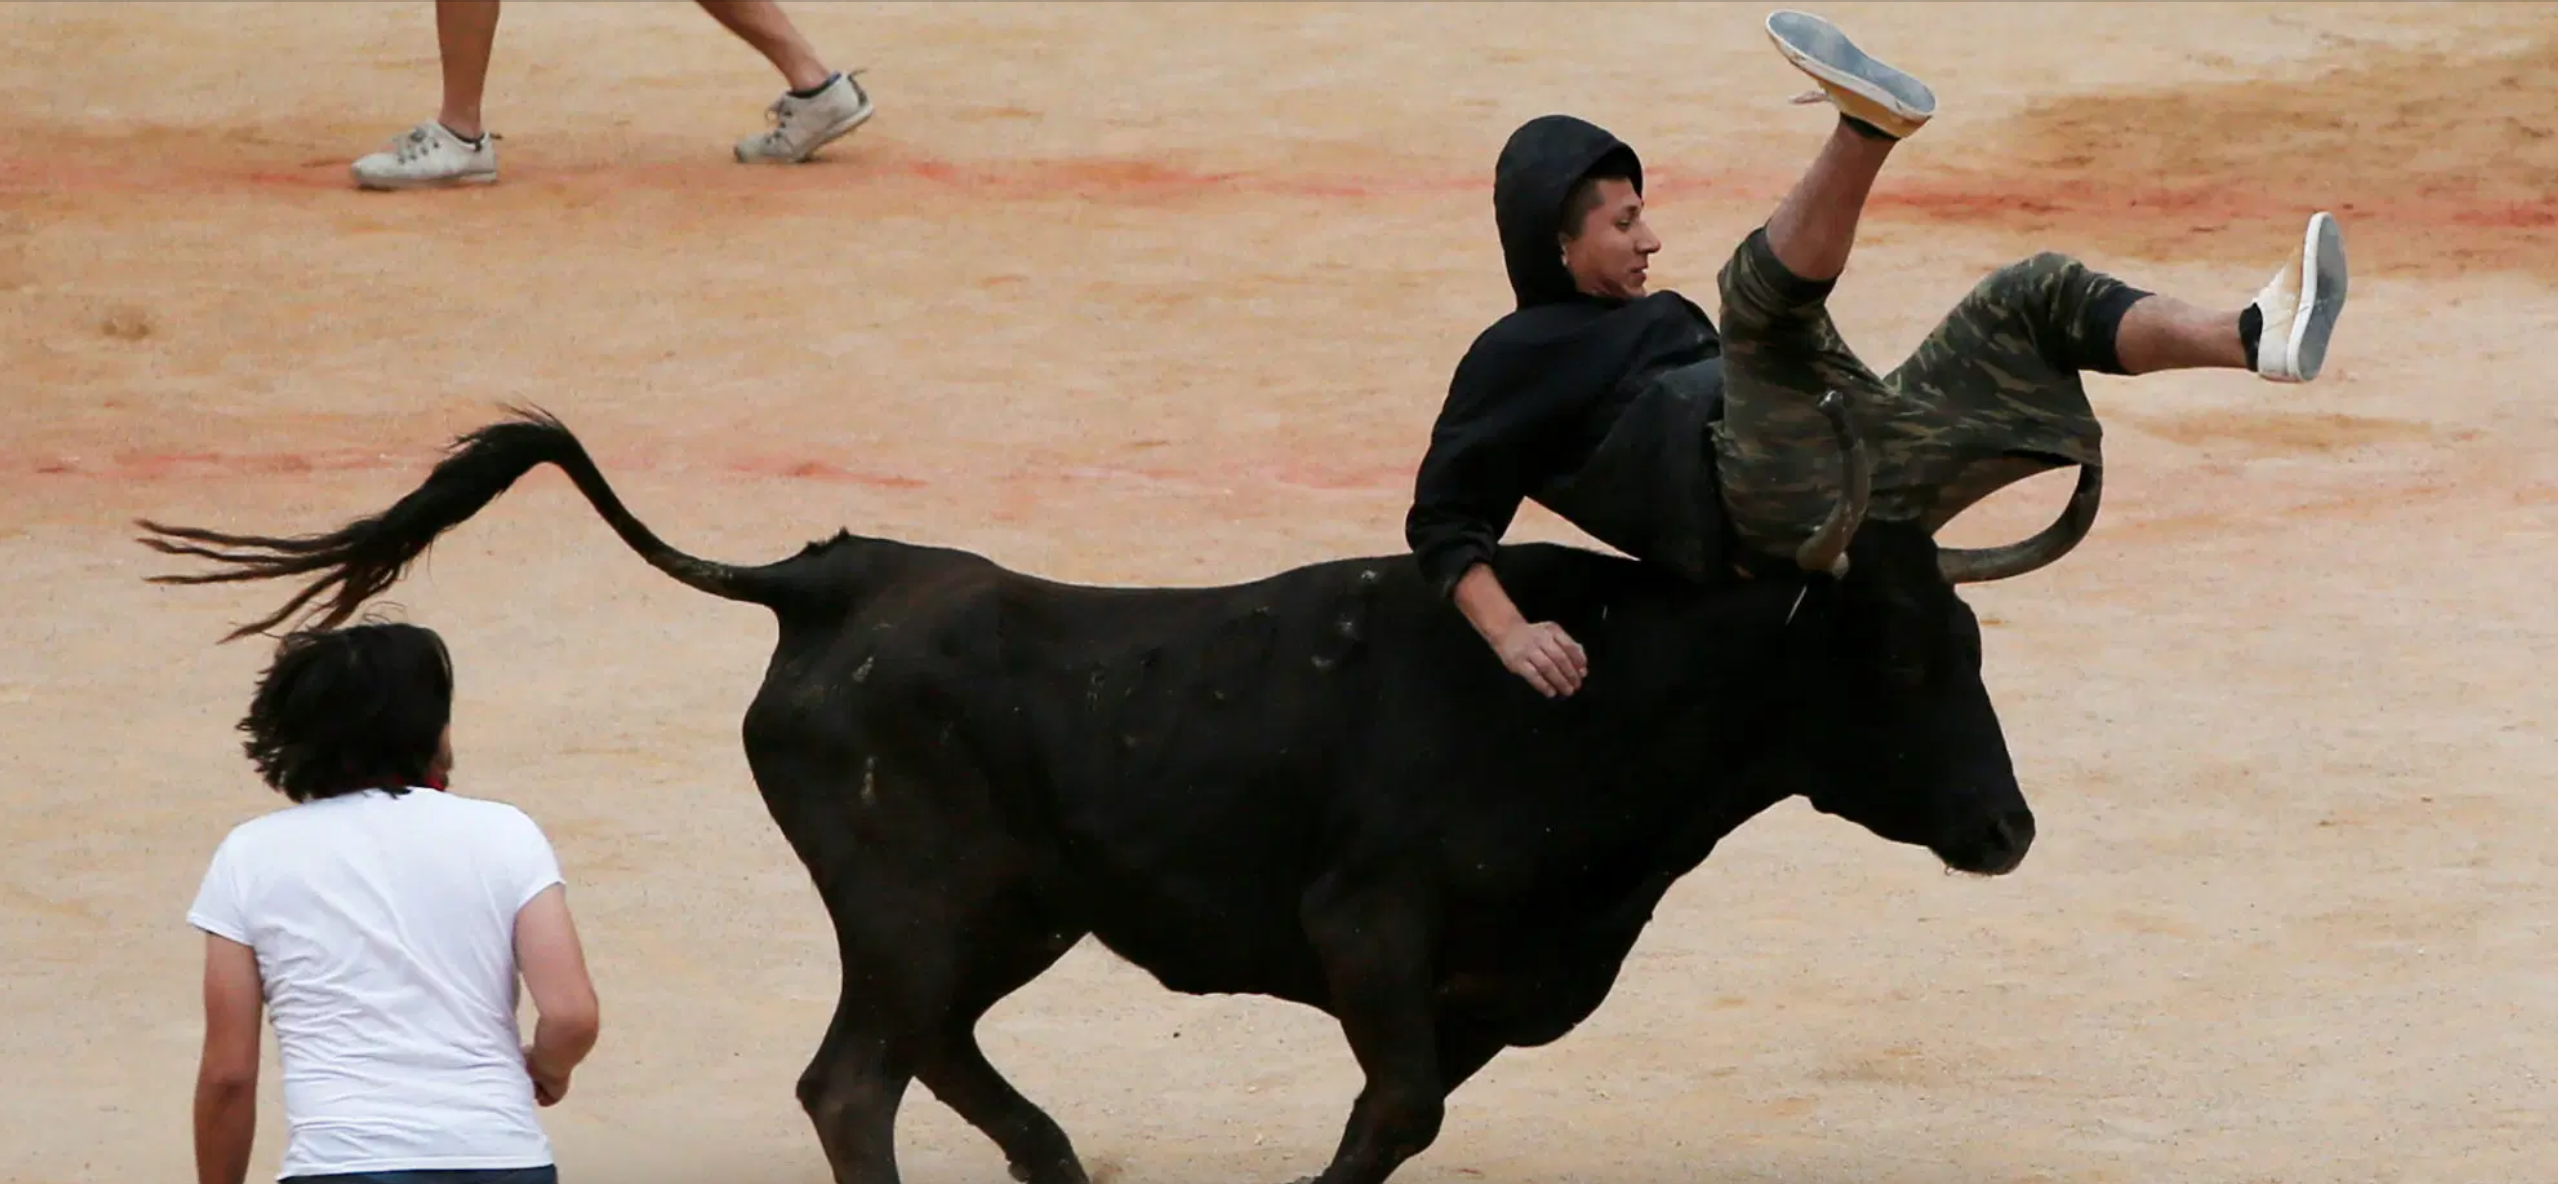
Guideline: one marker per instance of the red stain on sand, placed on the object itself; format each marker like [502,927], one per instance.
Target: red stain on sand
[819,470]
[2512,215]
[200,465]
[333,177]
[2459,225]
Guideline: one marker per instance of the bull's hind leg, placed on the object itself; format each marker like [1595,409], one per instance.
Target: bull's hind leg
[851,1091]
[1034,1145]
[852,1088]
[1008,946]
[937,917]
[936,921]
[915,985]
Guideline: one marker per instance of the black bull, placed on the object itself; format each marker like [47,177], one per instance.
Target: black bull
[1319,786]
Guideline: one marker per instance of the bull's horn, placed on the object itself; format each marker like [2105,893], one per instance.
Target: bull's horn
[1984,564]
[1826,550]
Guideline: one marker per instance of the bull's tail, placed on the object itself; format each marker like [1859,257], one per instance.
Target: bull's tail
[359,560]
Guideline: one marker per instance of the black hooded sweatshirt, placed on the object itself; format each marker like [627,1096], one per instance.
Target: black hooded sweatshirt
[1597,408]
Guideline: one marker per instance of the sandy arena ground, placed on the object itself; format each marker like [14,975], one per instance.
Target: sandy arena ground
[1169,294]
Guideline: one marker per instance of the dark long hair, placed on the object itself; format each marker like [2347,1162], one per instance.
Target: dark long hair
[343,710]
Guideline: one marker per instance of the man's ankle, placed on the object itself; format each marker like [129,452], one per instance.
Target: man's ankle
[1867,130]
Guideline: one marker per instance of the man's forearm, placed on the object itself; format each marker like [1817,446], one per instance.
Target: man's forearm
[1486,605]
[226,1123]
[560,1044]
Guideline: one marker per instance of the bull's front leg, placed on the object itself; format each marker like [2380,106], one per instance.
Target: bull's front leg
[1375,944]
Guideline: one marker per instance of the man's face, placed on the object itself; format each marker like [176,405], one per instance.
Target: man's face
[1611,254]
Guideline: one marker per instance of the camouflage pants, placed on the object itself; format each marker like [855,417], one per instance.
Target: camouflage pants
[1990,397]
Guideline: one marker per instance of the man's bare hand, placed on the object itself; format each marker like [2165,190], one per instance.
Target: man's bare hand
[548,1088]
[1546,656]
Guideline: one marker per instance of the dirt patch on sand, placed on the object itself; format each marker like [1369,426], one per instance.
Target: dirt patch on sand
[2440,163]
[2281,432]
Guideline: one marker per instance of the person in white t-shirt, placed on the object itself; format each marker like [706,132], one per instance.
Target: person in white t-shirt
[382,922]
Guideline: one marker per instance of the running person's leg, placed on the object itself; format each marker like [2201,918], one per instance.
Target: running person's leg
[453,148]
[762,24]
[821,105]
[465,35]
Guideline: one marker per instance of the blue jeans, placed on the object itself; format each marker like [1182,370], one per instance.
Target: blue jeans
[546,1174]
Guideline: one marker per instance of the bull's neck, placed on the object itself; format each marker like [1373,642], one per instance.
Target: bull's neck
[1715,755]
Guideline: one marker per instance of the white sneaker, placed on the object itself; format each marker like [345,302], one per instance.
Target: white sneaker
[2301,304]
[1884,98]
[427,156]
[802,126]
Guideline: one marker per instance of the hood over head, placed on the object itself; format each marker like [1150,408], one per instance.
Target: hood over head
[1544,159]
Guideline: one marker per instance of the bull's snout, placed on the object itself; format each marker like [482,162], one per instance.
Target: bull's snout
[1994,850]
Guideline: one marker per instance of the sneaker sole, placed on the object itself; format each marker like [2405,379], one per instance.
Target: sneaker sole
[834,131]
[2322,286]
[397,185]
[1816,47]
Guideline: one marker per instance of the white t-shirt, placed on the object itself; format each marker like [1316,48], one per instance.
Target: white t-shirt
[385,929]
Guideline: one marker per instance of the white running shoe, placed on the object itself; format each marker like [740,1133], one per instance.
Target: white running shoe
[1859,86]
[802,126]
[428,156]
[2300,305]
